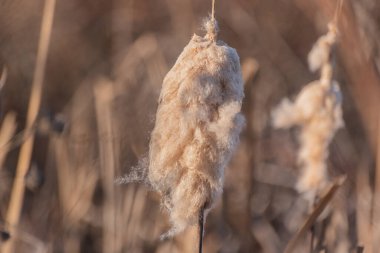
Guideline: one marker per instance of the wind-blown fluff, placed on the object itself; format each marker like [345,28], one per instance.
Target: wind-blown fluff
[197,127]
[317,110]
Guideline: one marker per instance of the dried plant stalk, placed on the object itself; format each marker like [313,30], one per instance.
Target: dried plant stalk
[198,122]
[18,189]
[376,194]
[317,110]
[326,198]
[8,129]
[3,78]
[103,92]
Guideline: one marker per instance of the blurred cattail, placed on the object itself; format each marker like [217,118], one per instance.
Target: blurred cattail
[197,127]
[317,110]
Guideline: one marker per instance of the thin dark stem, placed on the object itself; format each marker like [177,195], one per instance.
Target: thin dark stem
[201,229]
[312,230]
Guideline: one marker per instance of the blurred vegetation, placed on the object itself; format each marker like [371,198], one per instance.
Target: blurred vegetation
[106,63]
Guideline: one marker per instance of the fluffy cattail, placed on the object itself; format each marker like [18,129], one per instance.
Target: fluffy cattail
[197,127]
[317,110]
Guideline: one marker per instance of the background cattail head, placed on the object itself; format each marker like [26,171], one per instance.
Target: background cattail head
[317,110]
[197,127]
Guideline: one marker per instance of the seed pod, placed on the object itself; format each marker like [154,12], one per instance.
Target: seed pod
[318,111]
[197,127]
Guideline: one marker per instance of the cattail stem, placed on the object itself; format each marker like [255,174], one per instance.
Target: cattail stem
[338,10]
[201,228]
[213,10]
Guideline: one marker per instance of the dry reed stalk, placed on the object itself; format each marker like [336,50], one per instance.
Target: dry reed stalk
[129,199]
[137,209]
[336,232]
[3,78]
[75,190]
[8,129]
[104,94]
[318,209]
[364,201]
[188,241]
[266,235]
[198,122]
[317,110]
[76,167]
[376,197]
[18,189]
[75,184]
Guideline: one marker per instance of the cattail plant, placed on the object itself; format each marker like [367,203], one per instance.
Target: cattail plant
[317,110]
[197,127]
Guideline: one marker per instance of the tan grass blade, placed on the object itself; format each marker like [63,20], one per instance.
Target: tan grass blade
[3,78]
[376,196]
[8,129]
[103,97]
[318,209]
[17,196]
[364,200]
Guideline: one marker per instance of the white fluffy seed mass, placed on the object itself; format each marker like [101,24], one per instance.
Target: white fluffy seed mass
[197,127]
[320,53]
[317,110]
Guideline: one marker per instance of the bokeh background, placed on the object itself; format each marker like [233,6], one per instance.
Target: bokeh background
[106,63]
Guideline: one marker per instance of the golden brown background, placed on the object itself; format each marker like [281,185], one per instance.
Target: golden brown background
[106,63]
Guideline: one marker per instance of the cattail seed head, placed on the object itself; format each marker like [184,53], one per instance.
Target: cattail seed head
[197,127]
[317,110]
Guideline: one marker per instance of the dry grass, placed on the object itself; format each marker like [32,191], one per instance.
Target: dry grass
[106,64]
[18,190]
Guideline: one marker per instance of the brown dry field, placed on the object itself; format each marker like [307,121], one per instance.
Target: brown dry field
[104,70]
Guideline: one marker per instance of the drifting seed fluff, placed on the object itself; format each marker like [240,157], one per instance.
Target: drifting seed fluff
[197,127]
[317,110]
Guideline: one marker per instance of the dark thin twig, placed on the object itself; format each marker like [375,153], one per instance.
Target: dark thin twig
[312,231]
[322,235]
[201,229]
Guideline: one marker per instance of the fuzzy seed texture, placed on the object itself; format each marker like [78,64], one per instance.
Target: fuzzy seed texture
[197,127]
[317,110]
